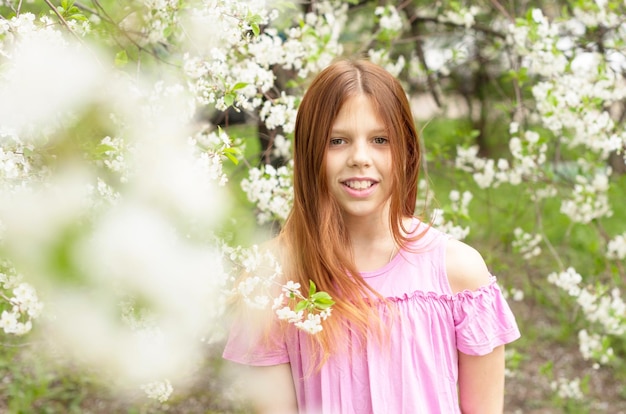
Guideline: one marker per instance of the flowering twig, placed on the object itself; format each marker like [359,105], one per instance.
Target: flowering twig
[62,20]
[318,307]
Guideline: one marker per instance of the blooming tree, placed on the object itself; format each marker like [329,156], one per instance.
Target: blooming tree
[114,181]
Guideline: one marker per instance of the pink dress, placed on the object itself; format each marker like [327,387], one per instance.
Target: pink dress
[415,371]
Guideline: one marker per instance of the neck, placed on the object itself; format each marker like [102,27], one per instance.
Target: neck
[365,230]
[372,242]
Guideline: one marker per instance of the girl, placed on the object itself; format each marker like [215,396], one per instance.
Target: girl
[419,324]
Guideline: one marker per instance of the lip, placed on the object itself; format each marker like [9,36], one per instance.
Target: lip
[359,193]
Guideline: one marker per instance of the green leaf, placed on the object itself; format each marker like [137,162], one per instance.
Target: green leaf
[167,32]
[79,17]
[229,99]
[121,58]
[232,158]
[320,295]
[323,306]
[312,288]
[301,305]
[103,148]
[255,29]
[239,85]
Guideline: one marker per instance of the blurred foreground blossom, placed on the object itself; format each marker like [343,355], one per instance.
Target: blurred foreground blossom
[32,94]
[120,209]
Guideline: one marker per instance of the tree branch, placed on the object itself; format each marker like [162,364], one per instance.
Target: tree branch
[62,20]
[502,10]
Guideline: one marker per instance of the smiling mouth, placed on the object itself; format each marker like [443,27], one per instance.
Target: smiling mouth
[359,184]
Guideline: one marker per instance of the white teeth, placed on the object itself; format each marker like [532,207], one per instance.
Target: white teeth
[359,185]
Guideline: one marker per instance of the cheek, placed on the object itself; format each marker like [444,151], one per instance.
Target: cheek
[330,164]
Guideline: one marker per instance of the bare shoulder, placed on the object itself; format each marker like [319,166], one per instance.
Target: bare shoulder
[465,267]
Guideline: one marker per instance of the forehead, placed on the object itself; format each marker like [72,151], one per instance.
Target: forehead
[358,112]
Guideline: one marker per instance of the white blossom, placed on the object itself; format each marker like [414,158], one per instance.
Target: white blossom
[616,248]
[567,280]
[567,389]
[270,189]
[389,18]
[527,244]
[11,324]
[312,324]
[455,231]
[158,390]
[607,310]
[593,347]
[589,200]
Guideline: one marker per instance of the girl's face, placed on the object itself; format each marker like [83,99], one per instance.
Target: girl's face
[358,160]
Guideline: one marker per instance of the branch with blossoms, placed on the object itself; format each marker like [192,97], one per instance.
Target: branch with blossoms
[21,304]
[262,274]
[306,313]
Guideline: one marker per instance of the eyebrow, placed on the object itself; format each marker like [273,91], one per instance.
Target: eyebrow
[340,131]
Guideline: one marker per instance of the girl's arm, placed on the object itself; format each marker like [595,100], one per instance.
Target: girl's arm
[270,389]
[481,378]
[481,382]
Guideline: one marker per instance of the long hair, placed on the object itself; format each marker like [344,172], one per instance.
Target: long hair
[315,236]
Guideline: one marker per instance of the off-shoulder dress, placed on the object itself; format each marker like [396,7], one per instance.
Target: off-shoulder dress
[416,369]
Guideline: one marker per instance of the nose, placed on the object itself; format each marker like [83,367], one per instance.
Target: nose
[360,154]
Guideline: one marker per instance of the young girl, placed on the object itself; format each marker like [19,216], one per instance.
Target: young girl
[419,324]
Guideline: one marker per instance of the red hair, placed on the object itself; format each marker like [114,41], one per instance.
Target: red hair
[317,242]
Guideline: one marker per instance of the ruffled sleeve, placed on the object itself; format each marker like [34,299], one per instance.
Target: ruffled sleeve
[252,343]
[483,320]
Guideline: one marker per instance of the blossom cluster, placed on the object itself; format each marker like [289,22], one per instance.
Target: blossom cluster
[280,112]
[449,220]
[536,41]
[389,18]
[616,248]
[15,165]
[526,244]
[261,270]
[528,158]
[589,200]
[21,307]
[113,155]
[157,19]
[237,70]
[306,313]
[601,307]
[211,148]
[456,231]
[564,105]
[262,274]
[567,389]
[271,190]
[463,16]
[577,86]
[595,347]
[158,390]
